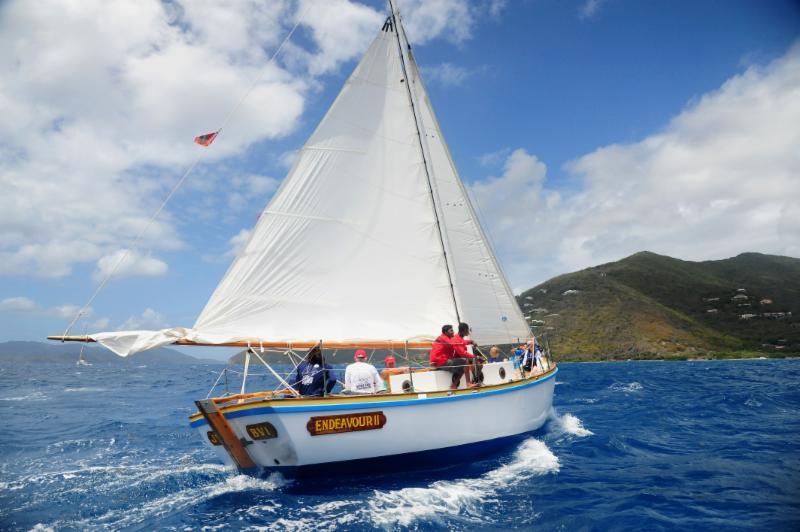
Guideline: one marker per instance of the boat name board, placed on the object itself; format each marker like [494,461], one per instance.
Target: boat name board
[213,438]
[321,425]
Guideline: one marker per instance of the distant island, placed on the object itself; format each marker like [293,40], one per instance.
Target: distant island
[650,306]
[44,352]
[645,306]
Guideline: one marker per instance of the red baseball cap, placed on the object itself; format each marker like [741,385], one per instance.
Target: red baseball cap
[361,354]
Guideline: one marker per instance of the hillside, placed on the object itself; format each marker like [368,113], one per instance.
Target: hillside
[37,352]
[651,305]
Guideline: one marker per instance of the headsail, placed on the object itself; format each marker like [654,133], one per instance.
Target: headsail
[371,235]
[485,300]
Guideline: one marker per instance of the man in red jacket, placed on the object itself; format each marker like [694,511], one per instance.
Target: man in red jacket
[450,355]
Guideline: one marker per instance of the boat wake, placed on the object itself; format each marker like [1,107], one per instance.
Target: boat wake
[181,486]
[465,499]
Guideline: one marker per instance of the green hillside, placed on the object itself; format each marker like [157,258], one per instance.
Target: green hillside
[649,305]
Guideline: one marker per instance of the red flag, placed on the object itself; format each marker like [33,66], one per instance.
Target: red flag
[205,140]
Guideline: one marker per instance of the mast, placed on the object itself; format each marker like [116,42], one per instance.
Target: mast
[434,203]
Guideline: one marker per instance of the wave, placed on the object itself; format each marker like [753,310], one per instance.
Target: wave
[34,396]
[567,424]
[85,389]
[463,498]
[151,479]
[626,388]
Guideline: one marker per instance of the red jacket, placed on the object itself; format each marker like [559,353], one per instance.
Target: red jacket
[442,350]
[445,348]
[460,345]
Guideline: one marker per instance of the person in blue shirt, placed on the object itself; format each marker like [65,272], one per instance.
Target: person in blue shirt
[313,378]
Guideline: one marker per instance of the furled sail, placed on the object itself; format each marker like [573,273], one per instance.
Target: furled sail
[370,237]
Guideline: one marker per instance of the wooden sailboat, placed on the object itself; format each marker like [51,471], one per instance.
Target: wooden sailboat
[371,242]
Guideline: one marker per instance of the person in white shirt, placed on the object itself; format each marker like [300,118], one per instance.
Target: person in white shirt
[361,376]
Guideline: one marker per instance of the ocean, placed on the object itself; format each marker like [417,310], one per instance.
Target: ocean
[701,445]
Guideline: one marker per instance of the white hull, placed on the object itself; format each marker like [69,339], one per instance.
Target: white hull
[415,423]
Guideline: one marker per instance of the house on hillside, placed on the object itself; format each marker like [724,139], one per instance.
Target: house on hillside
[766,301]
[739,297]
[741,290]
[747,316]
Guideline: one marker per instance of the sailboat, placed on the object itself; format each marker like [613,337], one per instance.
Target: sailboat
[371,242]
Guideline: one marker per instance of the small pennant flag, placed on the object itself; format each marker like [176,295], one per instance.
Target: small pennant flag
[207,139]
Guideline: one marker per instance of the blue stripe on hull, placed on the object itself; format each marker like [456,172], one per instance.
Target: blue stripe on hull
[432,459]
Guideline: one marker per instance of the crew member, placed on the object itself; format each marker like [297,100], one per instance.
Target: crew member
[443,356]
[361,376]
[313,378]
[464,346]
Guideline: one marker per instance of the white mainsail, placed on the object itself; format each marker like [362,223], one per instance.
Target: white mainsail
[371,236]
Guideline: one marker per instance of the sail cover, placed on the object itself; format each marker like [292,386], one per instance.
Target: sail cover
[371,235]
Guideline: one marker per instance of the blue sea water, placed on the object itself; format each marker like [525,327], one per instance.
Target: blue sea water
[639,445]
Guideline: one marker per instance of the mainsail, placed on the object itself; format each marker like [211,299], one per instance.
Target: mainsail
[371,236]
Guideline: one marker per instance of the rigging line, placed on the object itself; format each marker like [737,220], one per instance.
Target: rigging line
[263,71]
[172,192]
[395,19]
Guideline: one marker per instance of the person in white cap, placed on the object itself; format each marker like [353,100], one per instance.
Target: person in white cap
[361,376]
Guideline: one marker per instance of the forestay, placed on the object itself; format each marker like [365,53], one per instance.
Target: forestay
[365,235]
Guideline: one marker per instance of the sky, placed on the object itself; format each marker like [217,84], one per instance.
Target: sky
[585,130]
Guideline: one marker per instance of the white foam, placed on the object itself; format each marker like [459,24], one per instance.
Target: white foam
[569,424]
[85,389]
[35,396]
[176,502]
[626,388]
[463,498]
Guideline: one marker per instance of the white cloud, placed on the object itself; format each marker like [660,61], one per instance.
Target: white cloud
[238,242]
[341,30]
[720,179]
[590,8]
[494,158]
[100,324]
[101,100]
[17,304]
[426,20]
[243,190]
[23,304]
[148,319]
[67,312]
[447,74]
[122,263]
[495,8]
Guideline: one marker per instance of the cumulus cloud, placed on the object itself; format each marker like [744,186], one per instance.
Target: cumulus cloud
[98,94]
[17,304]
[425,20]
[127,263]
[101,99]
[238,242]
[447,74]
[68,312]
[21,304]
[720,179]
[148,319]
